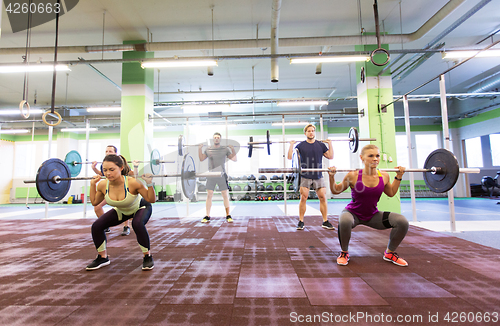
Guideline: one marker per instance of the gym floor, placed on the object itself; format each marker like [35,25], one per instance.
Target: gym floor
[258,270]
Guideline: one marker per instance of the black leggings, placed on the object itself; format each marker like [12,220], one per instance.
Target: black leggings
[110,218]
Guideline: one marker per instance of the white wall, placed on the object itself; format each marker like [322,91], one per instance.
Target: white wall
[6,152]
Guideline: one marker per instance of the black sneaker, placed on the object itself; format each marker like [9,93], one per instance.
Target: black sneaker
[300,226]
[206,219]
[229,219]
[107,230]
[98,263]
[148,263]
[126,230]
[327,225]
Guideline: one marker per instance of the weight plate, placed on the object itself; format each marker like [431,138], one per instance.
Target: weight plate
[188,183]
[49,190]
[155,162]
[354,140]
[180,145]
[250,147]
[296,166]
[71,159]
[450,170]
[268,136]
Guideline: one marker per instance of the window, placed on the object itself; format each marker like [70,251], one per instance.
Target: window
[402,150]
[341,153]
[425,144]
[474,152]
[495,149]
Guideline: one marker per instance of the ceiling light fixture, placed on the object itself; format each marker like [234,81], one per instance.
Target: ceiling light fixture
[77,129]
[178,63]
[468,54]
[13,131]
[36,67]
[302,103]
[330,59]
[290,123]
[105,109]
[16,111]
[204,108]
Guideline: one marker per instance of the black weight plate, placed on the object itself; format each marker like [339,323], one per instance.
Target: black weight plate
[154,162]
[354,140]
[49,190]
[250,147]
[71,159]
[188,180]
[296,166]
[268,137]
[180,145]
[450,170]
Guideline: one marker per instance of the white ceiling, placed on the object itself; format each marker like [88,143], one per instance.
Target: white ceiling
[111,22]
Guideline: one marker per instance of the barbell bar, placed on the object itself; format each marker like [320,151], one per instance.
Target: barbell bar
[440,170]
[74,161]
[181,145]
[53,179]
[353,139]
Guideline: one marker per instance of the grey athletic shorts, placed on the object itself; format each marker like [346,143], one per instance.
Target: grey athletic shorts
[316,183]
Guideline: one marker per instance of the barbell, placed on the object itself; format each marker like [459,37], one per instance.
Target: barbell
[74,161]
[353,139]
[440,170]
[181,145]
[53,179]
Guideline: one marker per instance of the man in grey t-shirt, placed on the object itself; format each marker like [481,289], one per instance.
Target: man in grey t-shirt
[217,155]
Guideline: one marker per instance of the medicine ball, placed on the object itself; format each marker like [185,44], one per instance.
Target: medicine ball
[252,177]
[274,178]
[279,188]
[290,187]
[269,188]
[247,188]
[262,177]
[261,188]
[236,188]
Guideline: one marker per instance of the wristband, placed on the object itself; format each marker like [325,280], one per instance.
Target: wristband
[398,179]
[150,184]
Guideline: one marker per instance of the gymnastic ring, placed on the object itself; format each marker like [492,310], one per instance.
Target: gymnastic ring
[21,107]
[378,51]
[51,124]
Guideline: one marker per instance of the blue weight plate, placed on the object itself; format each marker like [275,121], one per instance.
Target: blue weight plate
[154,162]
[449,170]
[296,165]
[71,159]
[188,170]
[48,189]
[354,140]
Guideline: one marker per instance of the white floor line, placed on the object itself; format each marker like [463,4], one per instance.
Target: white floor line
[461,226]
[27,211]
[293,209]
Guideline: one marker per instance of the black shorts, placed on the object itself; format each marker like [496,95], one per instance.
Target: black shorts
[221,181]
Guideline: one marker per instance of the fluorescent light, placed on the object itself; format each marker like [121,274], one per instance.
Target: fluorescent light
[105,109]
[36,67]
[77,129]
[330,59]
[17,111]
[179,63]
[467,54]
[302,103]
[290,123]
[13,131]
[203,108]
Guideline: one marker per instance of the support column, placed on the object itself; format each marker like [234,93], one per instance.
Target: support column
[378,121]
[136,130]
